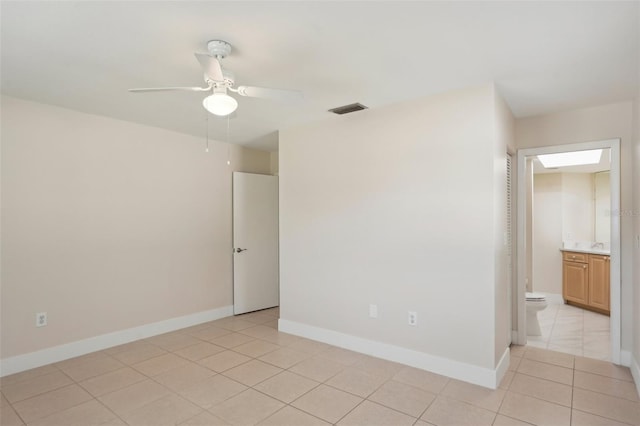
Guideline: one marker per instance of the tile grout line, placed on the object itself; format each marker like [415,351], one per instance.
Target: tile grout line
[43,392]
[573,387]
[175,393]
[110,410]
[248,387]
[56,412]
[295,408]
[555,319]
[505,394]
[573,383]
[366,398]
[427,408]
[350,411]
[602,417]
[17,414]
[314,355]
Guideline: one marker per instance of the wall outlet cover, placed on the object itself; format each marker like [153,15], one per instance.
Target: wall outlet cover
[373,311]
[41,319]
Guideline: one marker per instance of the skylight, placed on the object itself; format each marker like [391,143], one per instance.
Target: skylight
[564,159]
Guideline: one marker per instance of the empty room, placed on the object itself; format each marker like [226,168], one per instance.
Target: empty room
[319,212]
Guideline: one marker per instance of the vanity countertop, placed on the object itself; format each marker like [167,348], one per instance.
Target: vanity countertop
[589,251]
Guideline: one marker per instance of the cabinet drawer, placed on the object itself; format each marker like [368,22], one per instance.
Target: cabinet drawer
[571,256]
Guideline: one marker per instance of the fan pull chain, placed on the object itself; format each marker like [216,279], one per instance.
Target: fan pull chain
[228,143]
[207,144]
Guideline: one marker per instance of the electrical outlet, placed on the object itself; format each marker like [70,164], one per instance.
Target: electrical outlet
[373,311]
[413,318]
[41,319]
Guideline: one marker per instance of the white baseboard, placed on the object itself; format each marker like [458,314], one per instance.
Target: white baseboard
[625,358]
[42,357]
[503,366]
[635,372]
[458,370]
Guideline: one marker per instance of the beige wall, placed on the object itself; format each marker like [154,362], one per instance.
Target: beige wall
[564,207]
[578,219]
[108,225]
[547,233]
[274,163]
[405,216]
[504,140]
[563,211]
[602,207]
[529,228]
[636,245]
[593,124]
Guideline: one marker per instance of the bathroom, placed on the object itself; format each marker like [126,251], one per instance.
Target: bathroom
[570,248]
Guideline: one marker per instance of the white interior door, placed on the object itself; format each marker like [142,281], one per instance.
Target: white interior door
[255,242]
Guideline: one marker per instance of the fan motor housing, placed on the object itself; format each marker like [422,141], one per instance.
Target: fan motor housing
[229,79]
[219,48]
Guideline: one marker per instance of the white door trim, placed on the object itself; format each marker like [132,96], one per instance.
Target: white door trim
[614,145]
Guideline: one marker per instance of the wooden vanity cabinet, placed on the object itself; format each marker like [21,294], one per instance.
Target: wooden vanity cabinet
[599,280]
[575,278]
[585,280]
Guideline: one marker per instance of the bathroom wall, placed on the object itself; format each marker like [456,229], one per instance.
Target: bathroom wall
[577,207]
[547,233]
[602,214]
[563,211]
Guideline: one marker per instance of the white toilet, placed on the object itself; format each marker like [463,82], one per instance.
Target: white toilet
[535,302]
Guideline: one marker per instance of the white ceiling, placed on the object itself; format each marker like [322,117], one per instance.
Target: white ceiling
[543,56]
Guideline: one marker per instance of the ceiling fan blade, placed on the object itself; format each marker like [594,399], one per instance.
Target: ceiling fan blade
[263,92]
[166,89]
[210,66]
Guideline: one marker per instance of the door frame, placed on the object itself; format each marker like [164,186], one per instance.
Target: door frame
[511,223]
[521,253]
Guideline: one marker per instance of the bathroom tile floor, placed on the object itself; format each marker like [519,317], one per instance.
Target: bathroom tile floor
[242,371]
[573,330]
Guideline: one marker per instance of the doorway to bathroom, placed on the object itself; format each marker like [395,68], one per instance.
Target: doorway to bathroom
[566,208]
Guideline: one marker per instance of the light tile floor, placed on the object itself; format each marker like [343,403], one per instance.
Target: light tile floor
[573,330]
[242,371]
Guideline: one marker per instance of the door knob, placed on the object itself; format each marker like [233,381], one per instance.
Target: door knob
[240,250]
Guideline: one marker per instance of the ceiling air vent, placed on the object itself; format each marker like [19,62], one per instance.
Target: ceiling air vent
[346,109]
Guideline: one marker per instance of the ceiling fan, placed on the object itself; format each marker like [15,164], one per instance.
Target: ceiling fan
[220,80]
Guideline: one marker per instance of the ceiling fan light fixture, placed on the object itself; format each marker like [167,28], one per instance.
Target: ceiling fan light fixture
[220,104]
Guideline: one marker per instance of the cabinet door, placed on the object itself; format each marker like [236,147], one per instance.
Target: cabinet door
[599,282]
[575,281]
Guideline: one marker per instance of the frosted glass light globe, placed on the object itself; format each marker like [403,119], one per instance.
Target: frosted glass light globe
[220,104]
